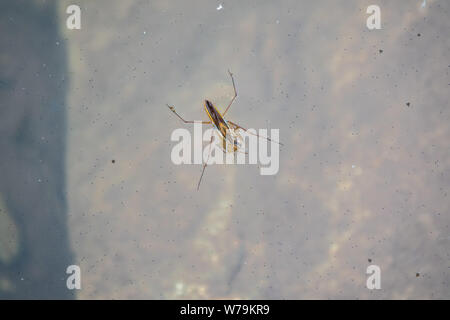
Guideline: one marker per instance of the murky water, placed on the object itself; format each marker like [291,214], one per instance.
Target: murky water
[86,176]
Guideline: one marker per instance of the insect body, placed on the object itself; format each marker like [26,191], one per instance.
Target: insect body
[227,130]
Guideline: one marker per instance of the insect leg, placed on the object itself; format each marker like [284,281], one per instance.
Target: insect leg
[206,163]
[235,93]
[236,126]
[185,121]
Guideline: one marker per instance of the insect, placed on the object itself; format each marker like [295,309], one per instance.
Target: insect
[227,130]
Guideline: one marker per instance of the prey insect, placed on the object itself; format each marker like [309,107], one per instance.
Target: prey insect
[227,130]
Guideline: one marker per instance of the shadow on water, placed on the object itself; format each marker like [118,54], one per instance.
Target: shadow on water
[34,242]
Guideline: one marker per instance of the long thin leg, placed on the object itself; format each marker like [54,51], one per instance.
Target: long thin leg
[185,121]
[235,93]
[255,134]
[206,163]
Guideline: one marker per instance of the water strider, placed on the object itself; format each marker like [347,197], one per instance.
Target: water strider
[227,130]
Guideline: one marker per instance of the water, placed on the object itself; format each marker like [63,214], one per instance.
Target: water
[87,179]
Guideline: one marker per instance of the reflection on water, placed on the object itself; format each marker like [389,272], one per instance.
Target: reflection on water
[363,175]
